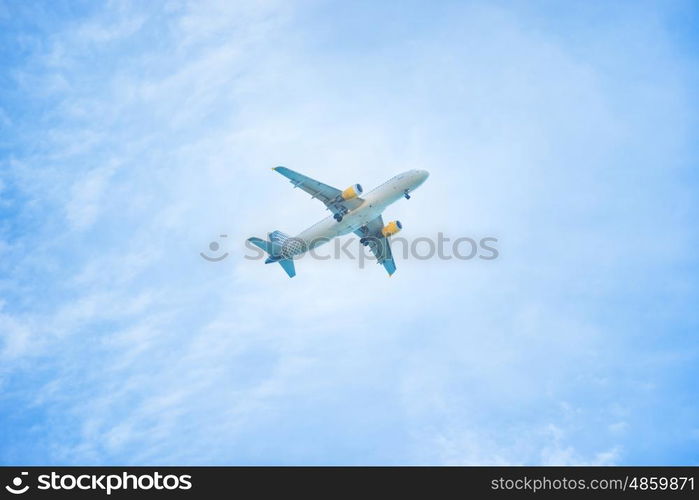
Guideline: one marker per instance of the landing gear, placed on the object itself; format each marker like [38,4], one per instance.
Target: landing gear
[341,211]
[368,241]
[405,193]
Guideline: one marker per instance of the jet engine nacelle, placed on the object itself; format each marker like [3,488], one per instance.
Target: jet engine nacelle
[351,192]
[391,228]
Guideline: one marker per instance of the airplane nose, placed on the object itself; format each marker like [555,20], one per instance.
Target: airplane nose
[417,178]
[422,175]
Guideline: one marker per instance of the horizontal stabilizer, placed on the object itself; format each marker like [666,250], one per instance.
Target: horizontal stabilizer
[288,266]
[264,245]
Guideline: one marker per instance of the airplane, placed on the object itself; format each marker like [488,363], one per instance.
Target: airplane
[351,213]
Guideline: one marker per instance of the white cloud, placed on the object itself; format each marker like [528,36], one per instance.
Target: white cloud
[86,195]
[153,355]
[15,338]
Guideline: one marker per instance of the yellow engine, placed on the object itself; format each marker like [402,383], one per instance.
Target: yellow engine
[351,192]
[391,228]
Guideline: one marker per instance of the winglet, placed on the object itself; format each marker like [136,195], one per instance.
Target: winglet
[390,266]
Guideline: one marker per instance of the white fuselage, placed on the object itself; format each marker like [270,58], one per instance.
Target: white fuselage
[375,202]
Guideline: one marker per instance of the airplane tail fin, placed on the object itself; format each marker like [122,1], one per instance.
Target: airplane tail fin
[273,247]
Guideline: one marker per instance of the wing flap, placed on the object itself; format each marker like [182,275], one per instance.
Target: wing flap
[329,195]
[313,187]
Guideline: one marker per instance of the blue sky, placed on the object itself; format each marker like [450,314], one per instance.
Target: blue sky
[134,133]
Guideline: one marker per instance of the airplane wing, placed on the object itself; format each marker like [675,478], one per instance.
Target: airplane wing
[330,196]
[378,244]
